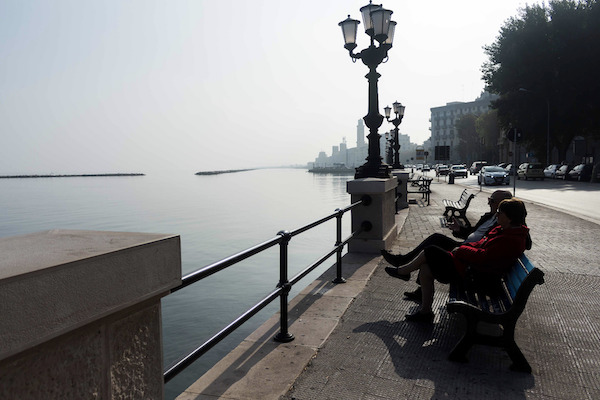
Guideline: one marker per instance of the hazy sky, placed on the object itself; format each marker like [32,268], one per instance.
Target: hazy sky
[143,86]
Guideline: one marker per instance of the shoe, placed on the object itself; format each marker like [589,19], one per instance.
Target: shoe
[420,317]
[395,260]
[414,296]
[393,271]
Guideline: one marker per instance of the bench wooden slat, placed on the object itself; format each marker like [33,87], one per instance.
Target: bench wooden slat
[516,277]
[506,298]
[463,199]
[527,264]
[512,285]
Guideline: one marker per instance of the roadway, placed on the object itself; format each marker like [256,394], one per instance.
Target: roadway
[580,199]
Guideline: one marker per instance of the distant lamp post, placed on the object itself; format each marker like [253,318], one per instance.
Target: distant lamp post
[399,112]
[380,29]
[547,122]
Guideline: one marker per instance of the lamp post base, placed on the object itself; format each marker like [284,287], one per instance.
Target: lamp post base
[373,171]
[380,214]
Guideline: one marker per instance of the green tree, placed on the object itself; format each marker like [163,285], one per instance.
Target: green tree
[489,132]
[552,51]
[469,143]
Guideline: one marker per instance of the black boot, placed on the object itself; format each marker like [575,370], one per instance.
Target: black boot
[414,296]
[391,271]
[395,260]
[420,317]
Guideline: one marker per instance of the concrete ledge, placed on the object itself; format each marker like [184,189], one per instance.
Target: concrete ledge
[56,281]
[371,185]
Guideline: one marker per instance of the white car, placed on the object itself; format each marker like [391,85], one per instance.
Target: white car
[459,170]
[550,170]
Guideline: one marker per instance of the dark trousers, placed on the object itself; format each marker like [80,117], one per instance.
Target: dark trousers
[440,242]
[441,264]
[437,239]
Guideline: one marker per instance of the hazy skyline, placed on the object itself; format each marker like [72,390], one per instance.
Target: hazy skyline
[143,86]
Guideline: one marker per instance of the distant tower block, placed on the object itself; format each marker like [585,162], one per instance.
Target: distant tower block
[360,133]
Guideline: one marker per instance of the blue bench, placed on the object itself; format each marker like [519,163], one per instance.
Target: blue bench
[503,307]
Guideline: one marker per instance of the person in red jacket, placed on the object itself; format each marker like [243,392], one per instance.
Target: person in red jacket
[492,255]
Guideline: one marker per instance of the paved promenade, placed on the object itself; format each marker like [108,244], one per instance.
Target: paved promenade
[352,341]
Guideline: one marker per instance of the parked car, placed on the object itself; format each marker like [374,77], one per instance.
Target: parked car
[476,167]
[426,167]
[493,175]
[442,169]
[550,170]
[459,170]
[510,169]
[581,172]
[563,172]
[530,171]
[503,165]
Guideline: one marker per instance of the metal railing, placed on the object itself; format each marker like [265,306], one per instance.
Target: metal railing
[283,287]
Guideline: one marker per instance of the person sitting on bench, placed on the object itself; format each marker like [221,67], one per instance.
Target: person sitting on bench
[483,226]
[493,255]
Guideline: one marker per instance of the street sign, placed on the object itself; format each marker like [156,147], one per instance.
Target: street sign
[442,153]
[420,156]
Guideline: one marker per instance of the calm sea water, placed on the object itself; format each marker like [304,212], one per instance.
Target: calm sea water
[216,216]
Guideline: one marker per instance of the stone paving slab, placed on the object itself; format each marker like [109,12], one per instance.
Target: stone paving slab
[374,354]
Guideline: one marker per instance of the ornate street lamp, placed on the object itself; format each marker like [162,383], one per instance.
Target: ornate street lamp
[399,111]
[380,29]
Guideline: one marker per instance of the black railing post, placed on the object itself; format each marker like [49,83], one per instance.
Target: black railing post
[284,336]
[338,242]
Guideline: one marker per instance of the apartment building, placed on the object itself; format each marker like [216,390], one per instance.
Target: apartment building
[444,118]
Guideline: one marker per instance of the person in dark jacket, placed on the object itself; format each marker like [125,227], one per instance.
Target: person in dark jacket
[472,234]
[467,234]
[494,254]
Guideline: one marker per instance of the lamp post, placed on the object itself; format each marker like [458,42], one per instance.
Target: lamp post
[399,111]
[380,29]
[547,122]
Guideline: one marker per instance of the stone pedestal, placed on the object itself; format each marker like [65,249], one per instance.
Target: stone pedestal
[80,314]
[401,190]
[380,214]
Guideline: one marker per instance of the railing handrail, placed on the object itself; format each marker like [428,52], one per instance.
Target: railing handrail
[215,267]
[282,290]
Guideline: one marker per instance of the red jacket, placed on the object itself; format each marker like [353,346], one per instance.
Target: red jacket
[494,254]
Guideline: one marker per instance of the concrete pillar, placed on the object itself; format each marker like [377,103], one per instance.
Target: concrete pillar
[80,314]
[401,190]
[380,214]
